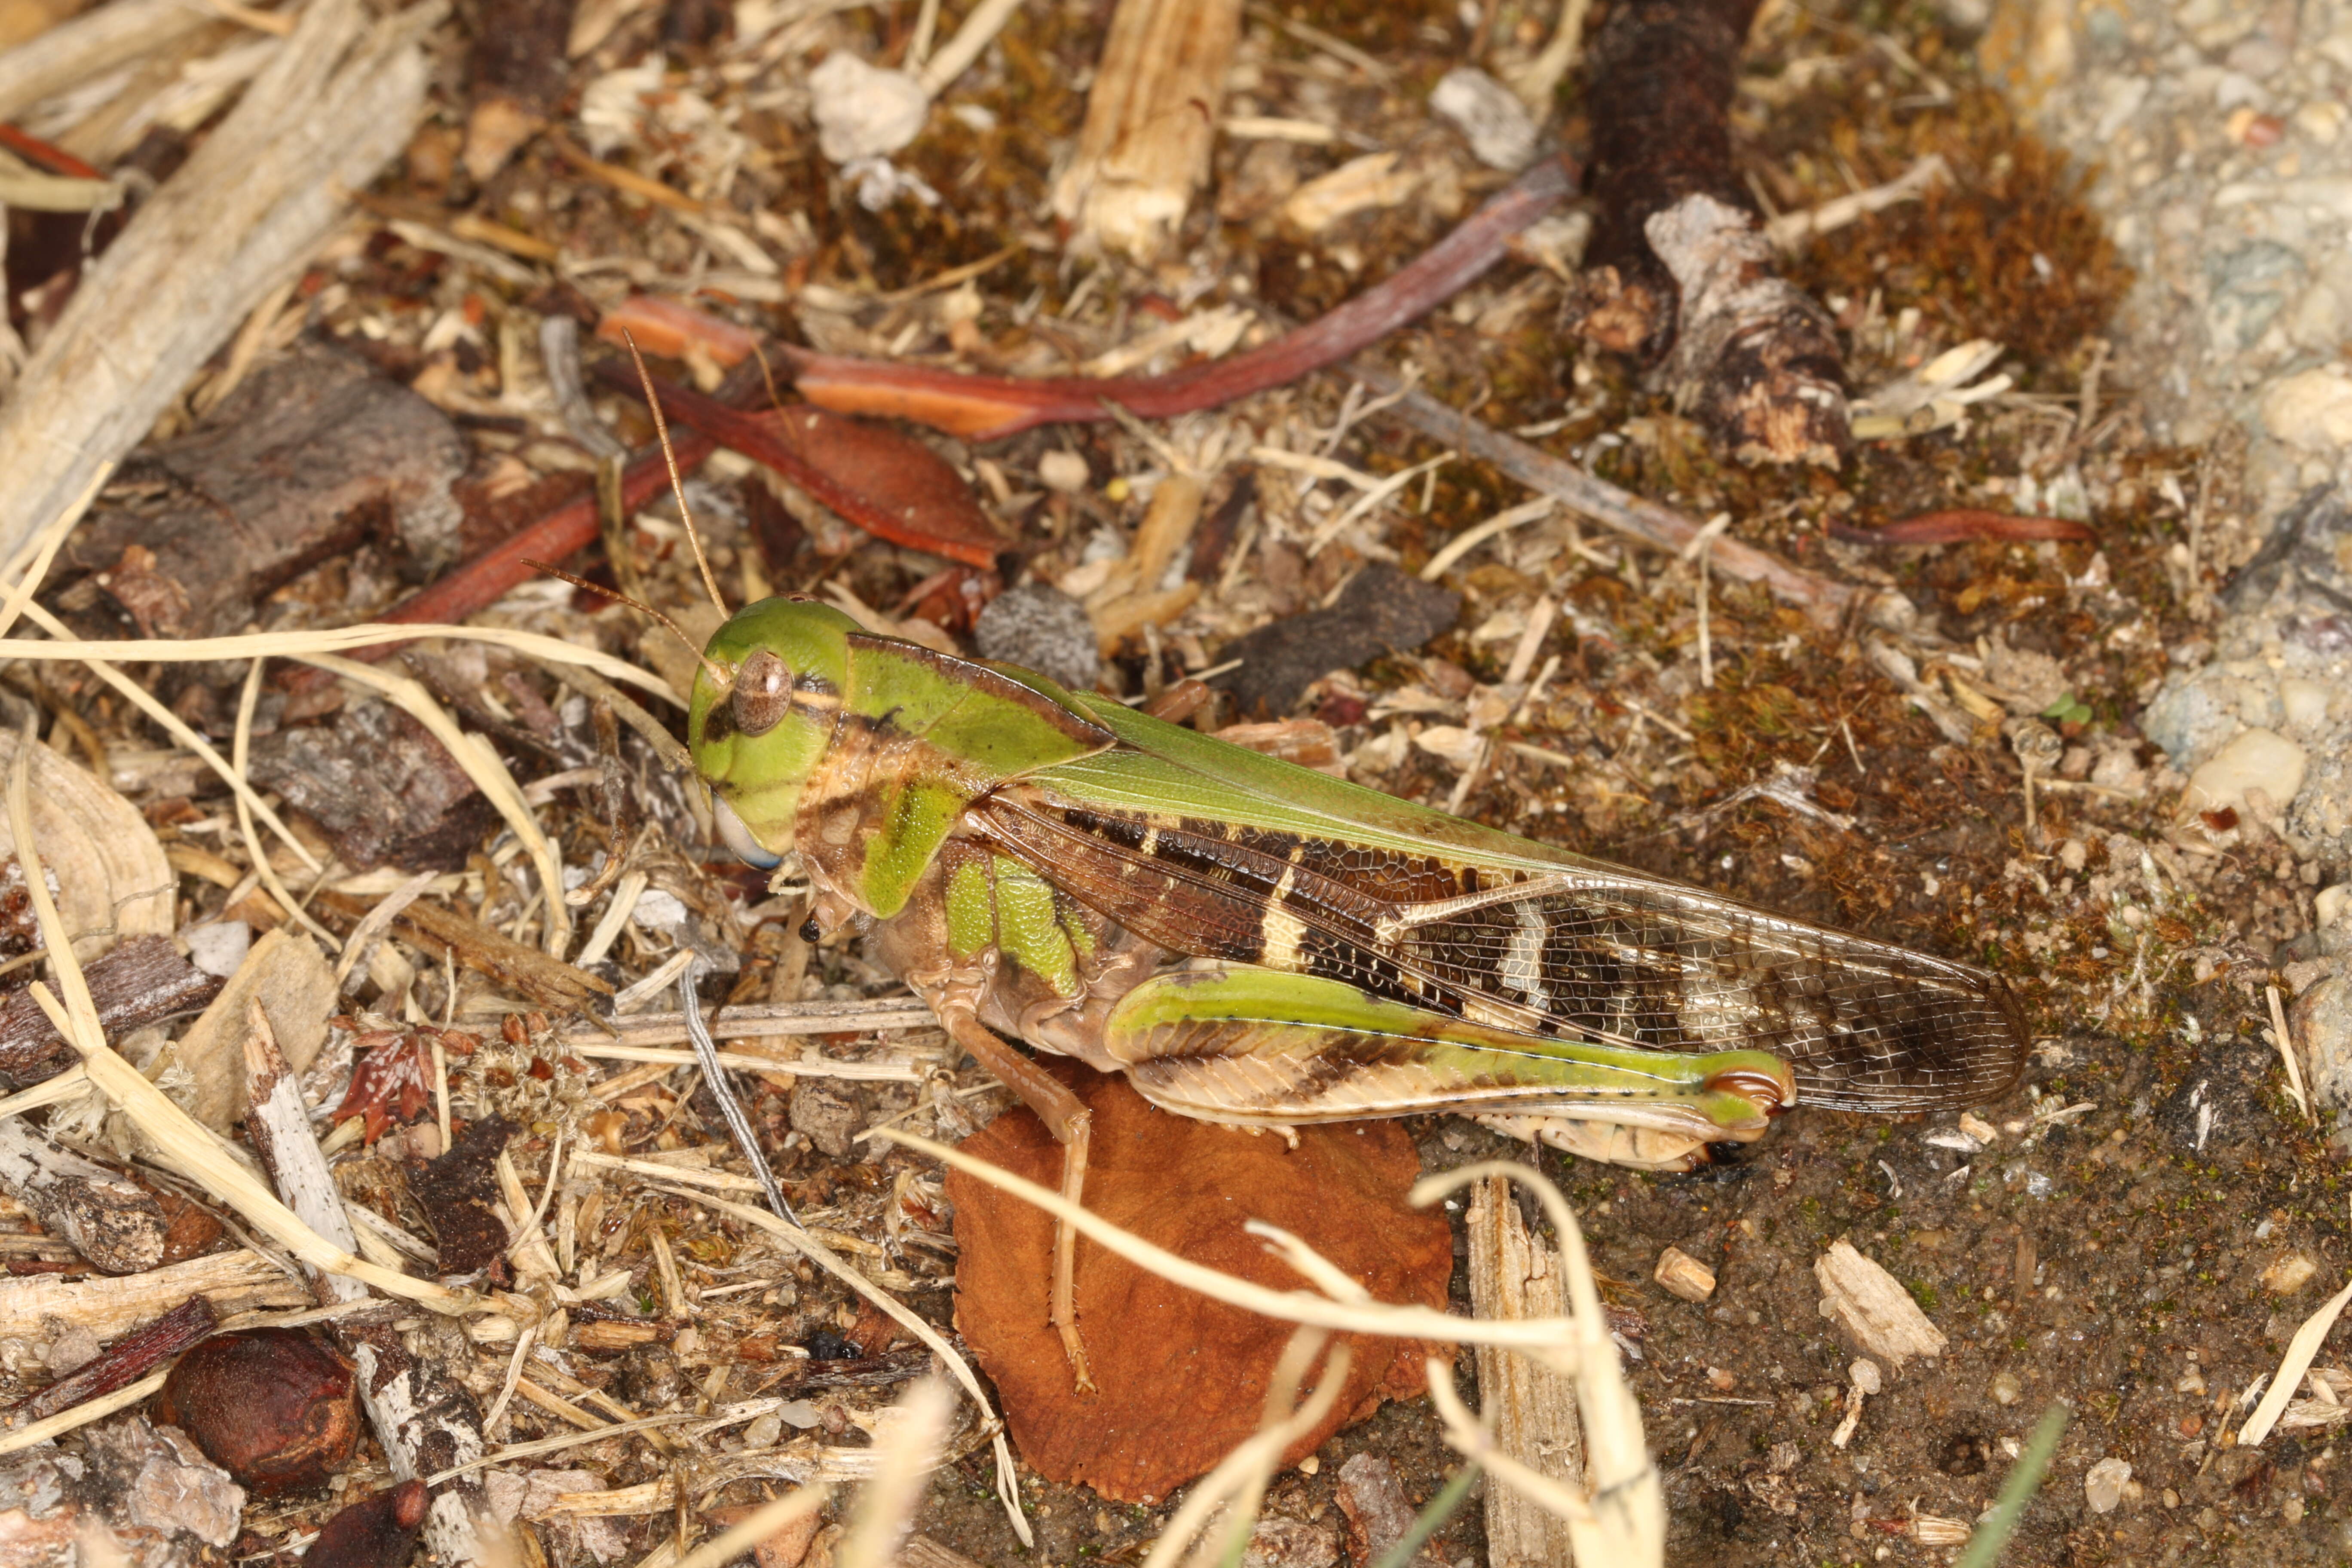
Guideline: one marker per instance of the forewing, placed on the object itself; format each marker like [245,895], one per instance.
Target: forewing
[1252,864]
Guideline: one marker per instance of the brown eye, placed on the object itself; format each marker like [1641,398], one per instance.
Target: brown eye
[762,693]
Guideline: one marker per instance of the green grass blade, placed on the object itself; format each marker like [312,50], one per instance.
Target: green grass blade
[1431,1518]
[2024,1480]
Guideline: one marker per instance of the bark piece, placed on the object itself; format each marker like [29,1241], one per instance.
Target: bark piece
[126,1361]
[286,973]
[222,232]
[153,1477]
[519,78]
[109,1220]
[1679,268]
[1151,116]
[144,980]
[1514,1275]
[378,1532]
[459,1193]
[106,865]
[380,785]
[232,1281]
[1382,610]
[1872,1308]
[312,454]
[1157,1347]
[427,1422]
[1680,1274]
[550,981]
[278,1126]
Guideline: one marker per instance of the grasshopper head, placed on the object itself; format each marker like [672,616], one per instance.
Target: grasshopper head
[757,727]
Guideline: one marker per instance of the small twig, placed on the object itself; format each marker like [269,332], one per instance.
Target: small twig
[1821,598]
[714,1074]
[1698,550]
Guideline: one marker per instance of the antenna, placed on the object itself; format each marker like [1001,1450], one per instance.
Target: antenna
[718,676]
[677,484]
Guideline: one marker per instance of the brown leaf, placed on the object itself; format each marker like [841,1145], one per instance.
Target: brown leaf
[882,479]
[1158,1348]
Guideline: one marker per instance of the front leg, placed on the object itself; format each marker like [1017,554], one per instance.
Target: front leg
[1071,1124]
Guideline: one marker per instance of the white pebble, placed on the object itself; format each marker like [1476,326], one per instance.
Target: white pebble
[2257,758]
[1501,134]
[218,947]
[2311,409]
[2103,1484]
[863,111]
[1063,471]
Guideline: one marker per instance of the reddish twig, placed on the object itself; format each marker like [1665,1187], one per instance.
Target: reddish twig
[572,527]
[1966,525]
[43,155]
[984,407]
[127,1360]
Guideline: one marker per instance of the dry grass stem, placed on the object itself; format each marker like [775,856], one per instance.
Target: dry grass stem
[177,727]
[82,1415]
[483,765]
[240,746]
[333,640]
[1239,1480]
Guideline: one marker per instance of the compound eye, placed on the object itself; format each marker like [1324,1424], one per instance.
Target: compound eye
[762,693]
[738,837]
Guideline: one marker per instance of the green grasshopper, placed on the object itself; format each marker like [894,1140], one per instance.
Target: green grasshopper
[1040,863]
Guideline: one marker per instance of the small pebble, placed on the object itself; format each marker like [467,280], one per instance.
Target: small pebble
[2257,758]
[1040,628]
[2006,1389]
[1063,471]
[1682,1274]
[2103,1484]
[218,947]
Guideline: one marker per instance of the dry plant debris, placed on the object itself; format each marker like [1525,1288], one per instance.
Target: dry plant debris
[1181,1378]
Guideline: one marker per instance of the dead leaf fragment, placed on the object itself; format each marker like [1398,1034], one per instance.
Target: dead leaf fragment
[291,977]
[1872,1308]
[1156,1347]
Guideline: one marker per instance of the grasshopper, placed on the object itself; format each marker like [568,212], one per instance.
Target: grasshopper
[1256,944]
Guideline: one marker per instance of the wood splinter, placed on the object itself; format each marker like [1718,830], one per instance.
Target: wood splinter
[1680,270]
[1151,120]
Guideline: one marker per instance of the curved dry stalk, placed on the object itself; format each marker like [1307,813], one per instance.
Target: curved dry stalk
[1240,1477]
[326,639]
[144,700]
[1288,1306]
[42,549]
[1631,1517]
[489,774]
[1466,1437]
[184,1142]
[240,746]
[907,1451]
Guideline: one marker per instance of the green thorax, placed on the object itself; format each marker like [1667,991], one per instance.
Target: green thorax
[919,737]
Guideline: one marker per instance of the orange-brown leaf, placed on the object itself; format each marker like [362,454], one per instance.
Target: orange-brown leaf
[1181,1378]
